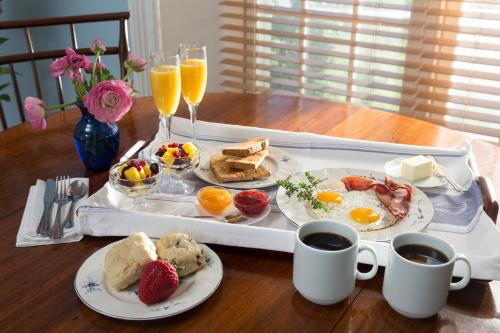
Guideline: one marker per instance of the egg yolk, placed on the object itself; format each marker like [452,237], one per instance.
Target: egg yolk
[329,197]
[364,215]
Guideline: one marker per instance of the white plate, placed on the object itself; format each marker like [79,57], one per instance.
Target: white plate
[393,169]
[279,163]
[420,214]
[97,295]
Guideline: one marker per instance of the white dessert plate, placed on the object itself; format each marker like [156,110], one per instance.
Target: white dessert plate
[420,214]
[93,290]
[393,168]
[279,163]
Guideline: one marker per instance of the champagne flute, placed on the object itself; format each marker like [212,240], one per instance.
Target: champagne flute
[166,86]
[193,58]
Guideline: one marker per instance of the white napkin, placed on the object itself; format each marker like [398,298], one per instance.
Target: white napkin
[27,236]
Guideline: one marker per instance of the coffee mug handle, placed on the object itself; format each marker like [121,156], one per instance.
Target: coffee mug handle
[466,278]
[373,271]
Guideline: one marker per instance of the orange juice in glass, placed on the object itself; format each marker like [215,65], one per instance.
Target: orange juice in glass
[193,77]
[166,87]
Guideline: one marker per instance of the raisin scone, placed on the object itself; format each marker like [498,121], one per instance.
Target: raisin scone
[181,251]
[124,263]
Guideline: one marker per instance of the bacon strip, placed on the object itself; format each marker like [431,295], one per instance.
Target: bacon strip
[396,197]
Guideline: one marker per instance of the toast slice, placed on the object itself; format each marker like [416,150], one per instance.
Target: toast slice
[246,148]
[251,162]
[225,174]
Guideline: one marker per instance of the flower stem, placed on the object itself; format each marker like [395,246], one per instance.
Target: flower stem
[125,78]
[53,107]
[94,65]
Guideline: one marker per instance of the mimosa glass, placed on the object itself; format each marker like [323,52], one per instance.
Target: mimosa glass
[193,57]
[166,87]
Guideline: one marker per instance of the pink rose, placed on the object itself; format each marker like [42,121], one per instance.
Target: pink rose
[35,109]
[58,67]
[98,46]
[75,60]
[136,63]
[109,101]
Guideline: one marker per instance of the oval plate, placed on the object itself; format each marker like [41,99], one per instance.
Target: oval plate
[420,214]
[279,163]
[93,290]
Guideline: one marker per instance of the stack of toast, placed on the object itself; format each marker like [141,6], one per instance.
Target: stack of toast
[241,162]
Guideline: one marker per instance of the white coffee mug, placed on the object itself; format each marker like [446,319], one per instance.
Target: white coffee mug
[327,277]
[419,290]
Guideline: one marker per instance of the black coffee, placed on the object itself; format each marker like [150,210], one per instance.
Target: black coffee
[326,241]
[422,254]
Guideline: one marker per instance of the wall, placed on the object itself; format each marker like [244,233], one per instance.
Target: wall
[177,21]
[46,38]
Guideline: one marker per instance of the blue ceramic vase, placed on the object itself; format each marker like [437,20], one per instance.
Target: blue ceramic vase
[96,142]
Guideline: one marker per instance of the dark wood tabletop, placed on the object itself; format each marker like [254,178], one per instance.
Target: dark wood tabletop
[256,293]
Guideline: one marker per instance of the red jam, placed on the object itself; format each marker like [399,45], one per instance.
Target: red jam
[251,202]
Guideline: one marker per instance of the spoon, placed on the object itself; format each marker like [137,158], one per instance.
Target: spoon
[75,192]
[226,219]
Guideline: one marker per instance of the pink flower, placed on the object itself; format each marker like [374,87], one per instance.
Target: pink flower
[35,109]
[98,46]
[135,63]
[98,66]
[75,75]
[109,101]
[58,67]
[75,60]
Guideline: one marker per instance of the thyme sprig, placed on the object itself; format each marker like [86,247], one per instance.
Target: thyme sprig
[304,190]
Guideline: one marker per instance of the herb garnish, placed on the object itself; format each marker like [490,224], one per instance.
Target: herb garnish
[303,190]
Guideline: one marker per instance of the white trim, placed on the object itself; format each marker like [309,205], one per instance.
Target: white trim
[145,36]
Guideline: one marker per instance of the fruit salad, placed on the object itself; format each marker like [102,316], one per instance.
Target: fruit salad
[137,170]
[135,178]
[177,156]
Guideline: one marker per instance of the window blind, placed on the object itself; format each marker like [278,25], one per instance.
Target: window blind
[435,60]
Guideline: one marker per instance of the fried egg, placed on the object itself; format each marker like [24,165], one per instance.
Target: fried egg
[359,209]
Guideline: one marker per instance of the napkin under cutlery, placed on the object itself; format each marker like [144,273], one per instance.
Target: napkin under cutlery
[27,235]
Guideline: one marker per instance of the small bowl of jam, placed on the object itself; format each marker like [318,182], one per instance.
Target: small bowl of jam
[215,199]
[251,203]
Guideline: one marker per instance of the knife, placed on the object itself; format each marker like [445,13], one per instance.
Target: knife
[48,199]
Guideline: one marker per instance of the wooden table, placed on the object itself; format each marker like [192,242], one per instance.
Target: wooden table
[256,294]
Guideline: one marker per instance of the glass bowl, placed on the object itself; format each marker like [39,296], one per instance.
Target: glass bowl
[178,165]
[215,199]
[251,203]
[135,188]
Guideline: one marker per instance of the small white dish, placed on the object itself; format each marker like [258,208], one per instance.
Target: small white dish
[94,292]
[393,168]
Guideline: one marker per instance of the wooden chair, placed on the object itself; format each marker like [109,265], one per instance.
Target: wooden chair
[32,56]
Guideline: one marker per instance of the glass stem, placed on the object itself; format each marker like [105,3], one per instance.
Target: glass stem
[166,125]
[193,111]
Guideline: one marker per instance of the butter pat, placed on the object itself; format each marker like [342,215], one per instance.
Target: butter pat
[416,168]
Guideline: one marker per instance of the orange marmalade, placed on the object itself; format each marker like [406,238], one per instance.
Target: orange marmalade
[214,199]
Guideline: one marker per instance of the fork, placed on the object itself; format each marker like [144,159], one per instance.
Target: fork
[62,184]
[436,170]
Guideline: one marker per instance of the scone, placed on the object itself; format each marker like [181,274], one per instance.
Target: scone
[125,261]
[181,251]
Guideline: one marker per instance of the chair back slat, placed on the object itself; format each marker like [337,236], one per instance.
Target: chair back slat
[73,36]
[2,117]
[60,94]
[17,92]
[33,56]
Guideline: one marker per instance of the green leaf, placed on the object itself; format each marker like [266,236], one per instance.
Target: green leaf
[5,97]
[105,75]
[3,40]
[4,70]
[3,86]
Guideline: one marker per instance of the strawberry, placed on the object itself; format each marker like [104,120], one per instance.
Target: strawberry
[159,280]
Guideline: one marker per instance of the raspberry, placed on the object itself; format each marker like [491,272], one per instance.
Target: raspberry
[173,145]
